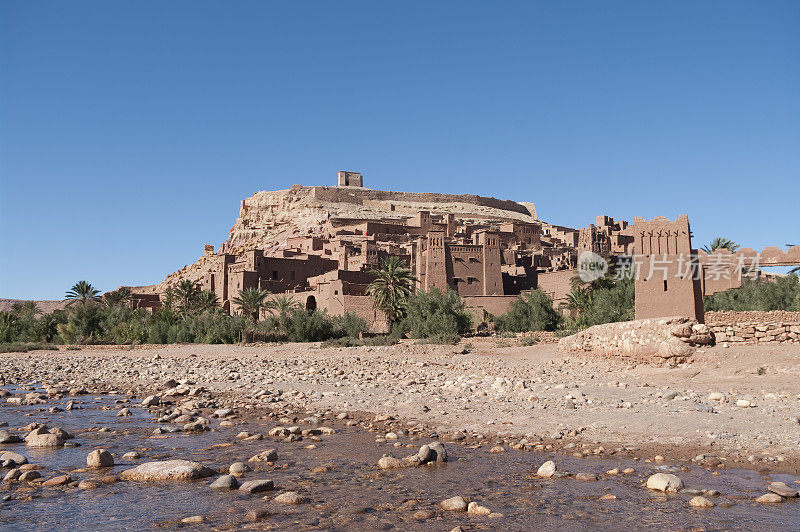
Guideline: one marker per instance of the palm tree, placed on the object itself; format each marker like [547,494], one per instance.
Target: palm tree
[25,308]
[392,285]
[7,322]
[82,292]
[281,305]
[251,301]
[720,243]
[207,300]
[121,297]
[187,292]
[577,301]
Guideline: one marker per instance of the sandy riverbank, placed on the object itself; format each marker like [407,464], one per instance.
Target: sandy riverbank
[573,404]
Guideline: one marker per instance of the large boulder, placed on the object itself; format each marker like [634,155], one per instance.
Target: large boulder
[167,470]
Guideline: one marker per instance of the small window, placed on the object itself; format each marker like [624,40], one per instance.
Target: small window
[665,285]
[291,275]
[274,274]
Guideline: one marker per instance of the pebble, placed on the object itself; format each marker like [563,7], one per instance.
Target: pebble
[89,484]
[257,515]
[586,477]
[700,502]
[193,519]
[421,515]
[290,497]
[133,455]
[770,498]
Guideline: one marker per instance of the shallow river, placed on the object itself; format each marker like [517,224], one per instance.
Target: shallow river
[353,494]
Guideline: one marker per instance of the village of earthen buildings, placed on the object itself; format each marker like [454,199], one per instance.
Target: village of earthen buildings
[489,251]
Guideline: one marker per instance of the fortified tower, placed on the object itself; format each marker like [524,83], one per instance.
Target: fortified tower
[667,274]
[350,179]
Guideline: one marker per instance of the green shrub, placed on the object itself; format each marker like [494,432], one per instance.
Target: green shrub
[436,315]
[21,347]
[349,341]
[441,339]
[532,312]
[349,324]
[782,293]
[527,341]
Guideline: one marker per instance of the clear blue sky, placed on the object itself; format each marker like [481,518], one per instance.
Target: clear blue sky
[130,131]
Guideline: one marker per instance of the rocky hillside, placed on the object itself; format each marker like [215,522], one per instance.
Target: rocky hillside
[266,219]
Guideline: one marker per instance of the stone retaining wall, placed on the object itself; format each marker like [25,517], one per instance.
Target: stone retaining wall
[754,327]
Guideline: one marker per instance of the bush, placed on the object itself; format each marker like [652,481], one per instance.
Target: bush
[436,315]
[781,294]
[349,341]
[349,324]
[441,339]
[533,312]
[20,347]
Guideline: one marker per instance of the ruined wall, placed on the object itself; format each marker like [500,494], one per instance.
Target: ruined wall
[753,327]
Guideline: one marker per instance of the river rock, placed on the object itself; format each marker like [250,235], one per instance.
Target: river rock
[270,455]
[547,469]
[12,459]
[664,482]
[99,458]
[57,481]
[390,462]
[225,482]
[7,437]
[27,476]
[257,486]
[770,498]
[88,484]
[454,504]
[238,469]
[133,455]
[151,400]
[257,515]
[12,475]
[476,509]
[700,502]
[290,497]
[167,470]
[43,440]
[783,490]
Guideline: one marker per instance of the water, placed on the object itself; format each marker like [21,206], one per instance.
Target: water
[354,494]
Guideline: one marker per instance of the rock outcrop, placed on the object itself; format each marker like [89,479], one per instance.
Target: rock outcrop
[652,340]
[268,218]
